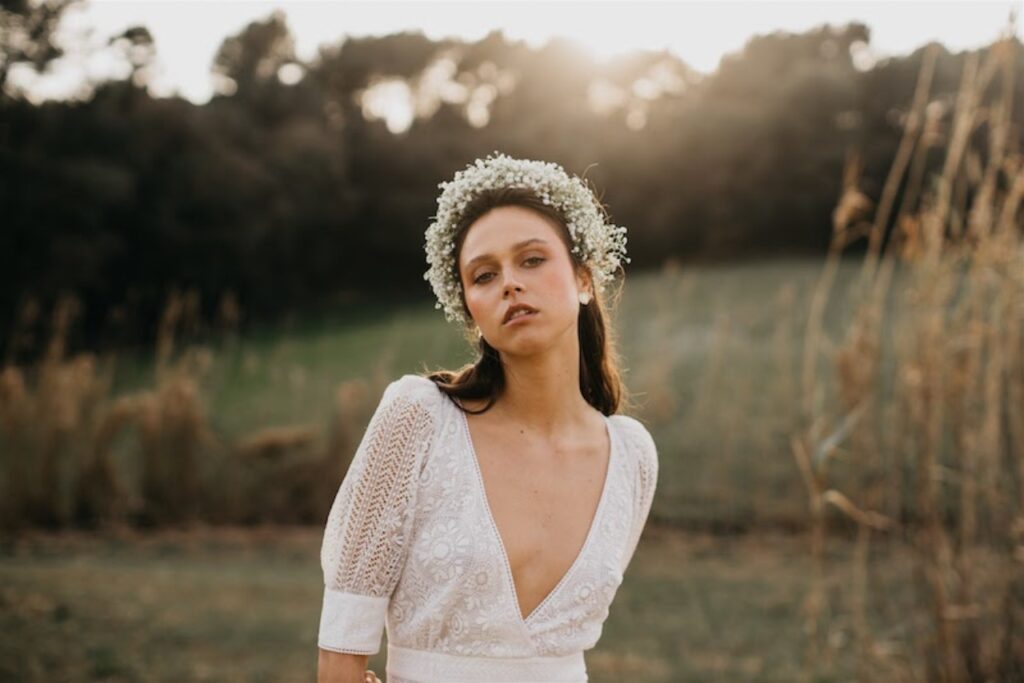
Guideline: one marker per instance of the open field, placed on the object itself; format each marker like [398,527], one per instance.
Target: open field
[717,590]
[841,454]
[243,605]
[712,354]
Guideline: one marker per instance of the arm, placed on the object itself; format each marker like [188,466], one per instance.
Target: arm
[340,667]
[646,481]
[367,533]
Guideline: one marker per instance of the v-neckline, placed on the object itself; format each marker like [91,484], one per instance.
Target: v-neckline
[591,532]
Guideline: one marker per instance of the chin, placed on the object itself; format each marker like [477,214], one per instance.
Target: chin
[523,349]
[526,342]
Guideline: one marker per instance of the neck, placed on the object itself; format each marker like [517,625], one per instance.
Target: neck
[542,391]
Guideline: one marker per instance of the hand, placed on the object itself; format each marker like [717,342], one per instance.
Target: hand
[371,677]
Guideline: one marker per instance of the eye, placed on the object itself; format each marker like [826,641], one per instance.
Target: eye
[480,278]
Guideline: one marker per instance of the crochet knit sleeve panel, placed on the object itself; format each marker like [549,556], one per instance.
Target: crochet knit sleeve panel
[646,460]
[369,525]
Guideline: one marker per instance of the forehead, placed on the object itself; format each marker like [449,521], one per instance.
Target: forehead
[503,227]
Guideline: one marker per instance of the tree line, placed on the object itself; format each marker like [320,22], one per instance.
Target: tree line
[307,182]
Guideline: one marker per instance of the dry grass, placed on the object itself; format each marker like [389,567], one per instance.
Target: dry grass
[61,426]
[928,411]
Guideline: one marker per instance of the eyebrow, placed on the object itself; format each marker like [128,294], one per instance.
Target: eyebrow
[516,246]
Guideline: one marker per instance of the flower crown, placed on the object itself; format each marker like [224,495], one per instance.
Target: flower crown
[599,244]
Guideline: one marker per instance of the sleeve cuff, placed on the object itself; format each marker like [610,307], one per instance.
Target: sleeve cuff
[351,623]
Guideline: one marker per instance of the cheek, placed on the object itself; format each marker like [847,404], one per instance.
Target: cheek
[554,277]
[476,298]
[555,283]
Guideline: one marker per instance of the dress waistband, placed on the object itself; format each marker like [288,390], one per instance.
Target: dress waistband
[430,667]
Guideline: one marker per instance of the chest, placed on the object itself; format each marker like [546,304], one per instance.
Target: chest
[543,502]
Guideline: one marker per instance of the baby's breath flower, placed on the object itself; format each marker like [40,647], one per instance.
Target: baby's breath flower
[600,245]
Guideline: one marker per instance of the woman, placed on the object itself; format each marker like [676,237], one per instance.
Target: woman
[488,514]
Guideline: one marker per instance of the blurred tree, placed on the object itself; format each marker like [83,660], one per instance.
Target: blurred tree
[293,189]
[248,64]
[27,34]
[139,50]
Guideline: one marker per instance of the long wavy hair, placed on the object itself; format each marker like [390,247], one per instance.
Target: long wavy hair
[600,381]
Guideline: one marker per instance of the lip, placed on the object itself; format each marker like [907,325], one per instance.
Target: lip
[530,312]
[521,318]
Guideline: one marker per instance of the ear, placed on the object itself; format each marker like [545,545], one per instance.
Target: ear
[584,282]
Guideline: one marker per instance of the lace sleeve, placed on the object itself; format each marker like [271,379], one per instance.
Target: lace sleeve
[365,537]
[646,460]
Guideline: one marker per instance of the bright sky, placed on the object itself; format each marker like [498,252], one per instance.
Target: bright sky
[188,32]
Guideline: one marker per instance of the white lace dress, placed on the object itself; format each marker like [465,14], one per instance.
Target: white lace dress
[410,545]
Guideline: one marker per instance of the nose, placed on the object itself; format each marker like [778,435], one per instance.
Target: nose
[510,283]
[511,286]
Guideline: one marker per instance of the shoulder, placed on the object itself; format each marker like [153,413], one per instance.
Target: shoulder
[414,386]
[635,432]
[416,390]
[639,442]
[406,417]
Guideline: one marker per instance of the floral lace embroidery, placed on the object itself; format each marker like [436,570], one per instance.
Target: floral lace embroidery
[410,523]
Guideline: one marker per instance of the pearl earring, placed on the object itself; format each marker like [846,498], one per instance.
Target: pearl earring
[584,298]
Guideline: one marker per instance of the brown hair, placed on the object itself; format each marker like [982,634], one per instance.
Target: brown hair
[600,381]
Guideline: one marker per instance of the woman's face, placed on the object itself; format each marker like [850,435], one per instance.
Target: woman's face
[514,255]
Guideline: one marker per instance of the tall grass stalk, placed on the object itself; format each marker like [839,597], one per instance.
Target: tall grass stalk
[928,409]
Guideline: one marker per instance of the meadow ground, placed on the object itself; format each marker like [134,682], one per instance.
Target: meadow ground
[243,605]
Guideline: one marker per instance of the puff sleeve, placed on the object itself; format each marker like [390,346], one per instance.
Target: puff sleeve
[367,532]
[645,460]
